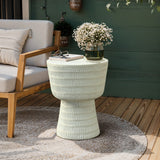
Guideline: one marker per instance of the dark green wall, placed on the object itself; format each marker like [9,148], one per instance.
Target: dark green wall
[134,55]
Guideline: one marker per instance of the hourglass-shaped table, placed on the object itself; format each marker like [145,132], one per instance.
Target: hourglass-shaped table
[77,84]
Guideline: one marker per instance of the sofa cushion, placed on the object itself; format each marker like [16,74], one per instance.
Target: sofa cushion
[33,75]
[11,44]
[41,37]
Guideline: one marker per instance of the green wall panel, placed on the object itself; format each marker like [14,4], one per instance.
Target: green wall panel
[134,55]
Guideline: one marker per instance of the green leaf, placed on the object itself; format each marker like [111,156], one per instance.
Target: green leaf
[158,8]
[117,4]
[108,6]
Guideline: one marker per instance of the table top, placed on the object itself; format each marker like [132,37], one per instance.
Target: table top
[78,62]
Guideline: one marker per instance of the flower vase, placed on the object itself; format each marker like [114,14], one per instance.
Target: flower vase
[94,52]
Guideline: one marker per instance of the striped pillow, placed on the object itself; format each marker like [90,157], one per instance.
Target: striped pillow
[11,45]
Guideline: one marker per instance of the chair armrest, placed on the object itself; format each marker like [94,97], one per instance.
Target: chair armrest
[38,52]
[24,56]
[22,63]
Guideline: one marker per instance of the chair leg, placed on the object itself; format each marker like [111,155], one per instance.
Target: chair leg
[12,101]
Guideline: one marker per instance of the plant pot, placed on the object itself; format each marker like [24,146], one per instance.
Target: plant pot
[94,52]
[75,5]
[64,41]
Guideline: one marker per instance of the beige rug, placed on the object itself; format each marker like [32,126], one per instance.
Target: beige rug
[35,138]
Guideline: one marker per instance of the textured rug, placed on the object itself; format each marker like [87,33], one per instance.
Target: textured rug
[35,138]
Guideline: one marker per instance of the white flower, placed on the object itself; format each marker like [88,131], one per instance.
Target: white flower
[92,33]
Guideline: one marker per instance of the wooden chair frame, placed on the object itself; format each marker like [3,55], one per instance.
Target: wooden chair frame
[19,91]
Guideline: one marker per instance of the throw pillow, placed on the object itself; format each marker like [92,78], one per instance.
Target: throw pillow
[11,45]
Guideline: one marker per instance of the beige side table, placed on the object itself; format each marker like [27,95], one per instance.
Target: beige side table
[77,84]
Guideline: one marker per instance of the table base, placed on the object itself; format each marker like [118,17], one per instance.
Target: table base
[77,120]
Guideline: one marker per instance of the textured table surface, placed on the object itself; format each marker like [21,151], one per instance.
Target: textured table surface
[80,62]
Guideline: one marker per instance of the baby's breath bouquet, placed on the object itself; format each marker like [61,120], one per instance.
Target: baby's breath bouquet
[92,34]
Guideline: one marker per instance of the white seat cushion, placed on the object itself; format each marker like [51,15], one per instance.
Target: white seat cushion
[33,75]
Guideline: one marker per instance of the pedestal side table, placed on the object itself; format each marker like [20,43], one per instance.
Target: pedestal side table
[77,84]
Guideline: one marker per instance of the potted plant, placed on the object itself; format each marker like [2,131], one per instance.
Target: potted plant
[91,37]
[66,30]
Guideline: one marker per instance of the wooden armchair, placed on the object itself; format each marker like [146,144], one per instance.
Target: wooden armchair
[23,76]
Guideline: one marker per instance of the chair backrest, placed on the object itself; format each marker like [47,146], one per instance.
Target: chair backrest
[41,36]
